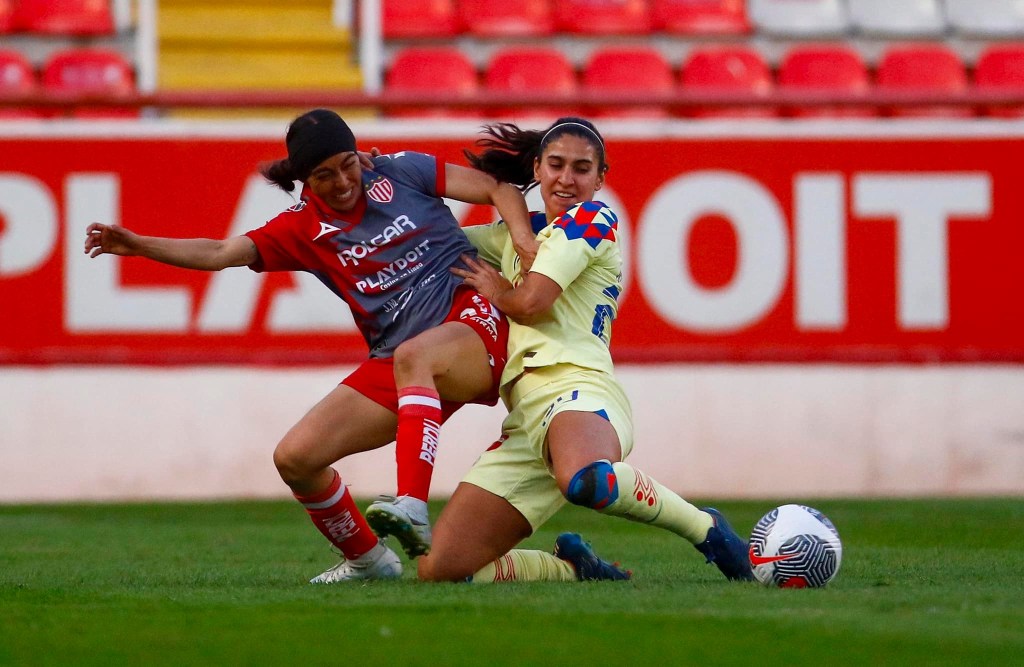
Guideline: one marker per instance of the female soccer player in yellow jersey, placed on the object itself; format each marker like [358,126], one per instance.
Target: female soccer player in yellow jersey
[569,425]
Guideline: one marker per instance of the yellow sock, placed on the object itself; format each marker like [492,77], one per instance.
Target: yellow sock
[643,499]
[525,565]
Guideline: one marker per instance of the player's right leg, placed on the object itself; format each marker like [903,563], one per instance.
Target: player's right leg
[458,361]
[448,361]
[344,422]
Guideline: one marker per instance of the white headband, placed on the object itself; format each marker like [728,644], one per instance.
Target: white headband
[596,135]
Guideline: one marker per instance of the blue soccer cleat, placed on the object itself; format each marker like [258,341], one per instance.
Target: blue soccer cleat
[726,549]
[571,548]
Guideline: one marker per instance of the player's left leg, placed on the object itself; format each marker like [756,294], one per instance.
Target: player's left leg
[344,422]
[614,487]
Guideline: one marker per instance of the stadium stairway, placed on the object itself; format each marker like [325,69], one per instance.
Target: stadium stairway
[258,45]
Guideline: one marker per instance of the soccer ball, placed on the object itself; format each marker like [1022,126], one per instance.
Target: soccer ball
[795,546]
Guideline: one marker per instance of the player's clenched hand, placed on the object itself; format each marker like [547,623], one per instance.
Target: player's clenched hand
[110,239]
[482,277]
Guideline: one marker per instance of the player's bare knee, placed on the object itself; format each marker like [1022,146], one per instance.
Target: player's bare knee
[431,568]
[426,570]
[291,465]
[594,485]
[410,356]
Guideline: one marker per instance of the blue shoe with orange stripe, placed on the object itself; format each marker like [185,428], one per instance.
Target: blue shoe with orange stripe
[571,548]
[726,549]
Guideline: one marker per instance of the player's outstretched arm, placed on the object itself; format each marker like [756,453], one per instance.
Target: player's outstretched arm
[476,187]
[202,254]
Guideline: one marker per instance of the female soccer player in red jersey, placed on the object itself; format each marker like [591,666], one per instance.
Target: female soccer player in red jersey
[383,240]
[569,425]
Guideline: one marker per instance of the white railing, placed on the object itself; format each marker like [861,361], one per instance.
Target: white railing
[371,43]
[146,54]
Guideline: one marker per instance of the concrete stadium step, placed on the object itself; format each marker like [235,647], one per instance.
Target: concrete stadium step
[256,69]
[265,113]
[261,45]
[235,23]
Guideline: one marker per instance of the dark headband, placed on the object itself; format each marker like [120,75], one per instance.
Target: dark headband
[315,136]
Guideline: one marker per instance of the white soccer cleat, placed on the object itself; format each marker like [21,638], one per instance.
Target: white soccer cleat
[404,517]
[379,563]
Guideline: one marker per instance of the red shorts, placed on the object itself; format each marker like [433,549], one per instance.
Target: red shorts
[375,378]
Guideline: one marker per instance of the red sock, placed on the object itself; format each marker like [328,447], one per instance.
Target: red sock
[335,514]
[419,427]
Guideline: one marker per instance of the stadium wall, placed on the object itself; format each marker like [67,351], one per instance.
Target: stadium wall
[811,309]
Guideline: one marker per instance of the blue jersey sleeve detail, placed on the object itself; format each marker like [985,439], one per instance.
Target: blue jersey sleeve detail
[538,221]
[591,221]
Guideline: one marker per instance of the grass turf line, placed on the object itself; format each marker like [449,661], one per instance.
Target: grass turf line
[922,582]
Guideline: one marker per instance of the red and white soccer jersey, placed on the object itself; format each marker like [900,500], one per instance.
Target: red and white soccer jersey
[388,259]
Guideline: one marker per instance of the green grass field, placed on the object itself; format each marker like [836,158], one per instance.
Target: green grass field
[922,582]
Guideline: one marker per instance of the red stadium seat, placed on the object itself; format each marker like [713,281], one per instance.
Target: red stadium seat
[1001,68]
[636,70]
[700,17]
[17,79]
[6,16]
[436,70]
[64,17]
[731,69]
[507,18]
[602,17]
[924,68]
[90,72]
[541,71]
[411,19]
[825,68]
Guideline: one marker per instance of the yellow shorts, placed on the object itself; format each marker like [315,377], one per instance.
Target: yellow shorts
[516,467]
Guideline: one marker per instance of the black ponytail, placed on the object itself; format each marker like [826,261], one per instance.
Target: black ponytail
[509,151]
[508,155]
[280,173]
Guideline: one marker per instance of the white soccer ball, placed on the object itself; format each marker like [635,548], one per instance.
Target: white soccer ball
[795,546]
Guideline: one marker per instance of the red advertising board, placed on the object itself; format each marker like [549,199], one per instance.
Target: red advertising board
[882,247]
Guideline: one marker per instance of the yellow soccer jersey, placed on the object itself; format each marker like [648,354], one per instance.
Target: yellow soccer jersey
[580,252]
